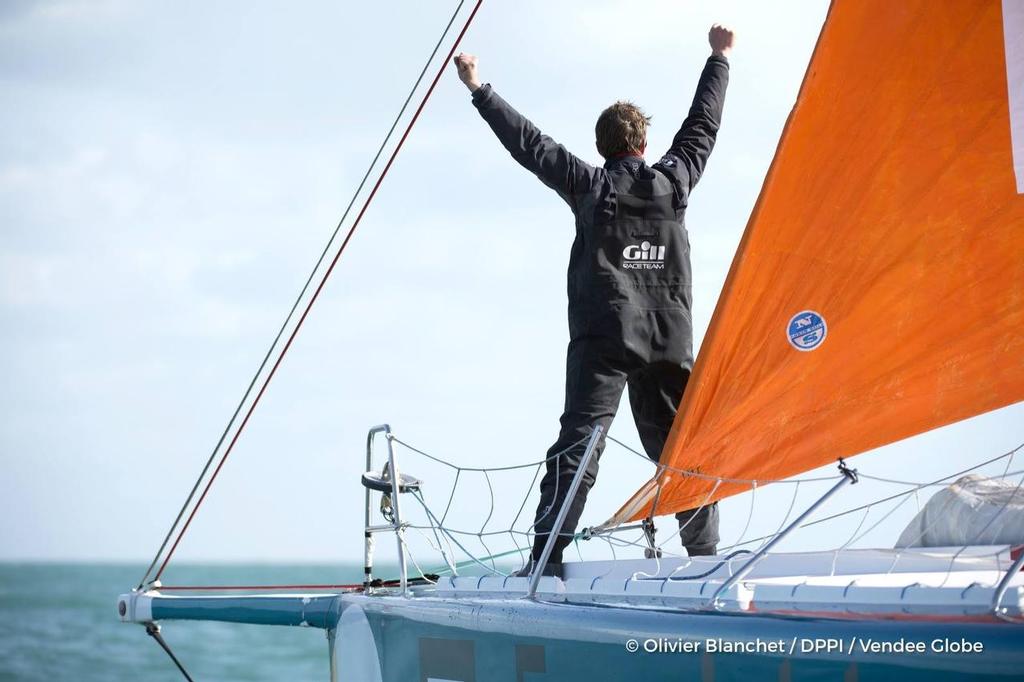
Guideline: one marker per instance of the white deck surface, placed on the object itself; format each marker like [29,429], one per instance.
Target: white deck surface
[951,581]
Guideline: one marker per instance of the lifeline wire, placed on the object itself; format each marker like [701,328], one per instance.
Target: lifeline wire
[914,490]
[437,526]
[316,292]
[711,477]
[434,525]
[513,532]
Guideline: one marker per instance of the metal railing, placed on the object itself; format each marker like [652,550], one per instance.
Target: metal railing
[396,526]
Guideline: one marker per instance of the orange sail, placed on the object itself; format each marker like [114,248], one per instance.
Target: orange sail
[878,291]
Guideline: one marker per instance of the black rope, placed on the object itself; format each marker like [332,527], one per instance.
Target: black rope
[302,293]
[153,630]
[424,579]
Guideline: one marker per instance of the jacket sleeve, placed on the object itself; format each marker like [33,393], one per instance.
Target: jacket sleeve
[552,163]
[685,160]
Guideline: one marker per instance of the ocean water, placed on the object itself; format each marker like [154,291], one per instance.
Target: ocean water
[59,622]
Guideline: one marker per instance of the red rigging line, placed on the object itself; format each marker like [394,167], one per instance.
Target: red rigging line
[319,288]
[256,588]
[298,300]
[271,351]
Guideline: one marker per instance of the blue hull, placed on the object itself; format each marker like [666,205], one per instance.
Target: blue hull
[467,642]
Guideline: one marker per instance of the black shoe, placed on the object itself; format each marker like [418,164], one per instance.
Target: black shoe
[553,569]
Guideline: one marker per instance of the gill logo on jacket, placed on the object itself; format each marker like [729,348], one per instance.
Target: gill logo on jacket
[643,256]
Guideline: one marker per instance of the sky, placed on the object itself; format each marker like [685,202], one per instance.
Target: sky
[169,174]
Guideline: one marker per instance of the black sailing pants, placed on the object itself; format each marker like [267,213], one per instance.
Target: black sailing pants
[597,371]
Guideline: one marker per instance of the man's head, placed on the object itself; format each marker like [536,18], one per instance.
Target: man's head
[621,130]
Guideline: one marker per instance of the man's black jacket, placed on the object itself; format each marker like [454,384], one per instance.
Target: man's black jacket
[629,269]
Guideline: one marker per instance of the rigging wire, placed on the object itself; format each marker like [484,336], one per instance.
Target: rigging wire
[914,490]
[511,467]
[305,289]
[153,630]
[721,479]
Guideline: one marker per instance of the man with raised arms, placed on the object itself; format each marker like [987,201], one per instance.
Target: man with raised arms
[629,280]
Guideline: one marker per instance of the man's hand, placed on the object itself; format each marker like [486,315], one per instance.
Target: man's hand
[466,64]
[721,38]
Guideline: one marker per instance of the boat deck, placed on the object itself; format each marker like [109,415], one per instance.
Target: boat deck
[949,581]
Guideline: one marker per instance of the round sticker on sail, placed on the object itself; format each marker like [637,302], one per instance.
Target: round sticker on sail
[806,330]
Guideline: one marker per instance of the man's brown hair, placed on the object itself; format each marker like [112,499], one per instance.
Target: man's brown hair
[621,129]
